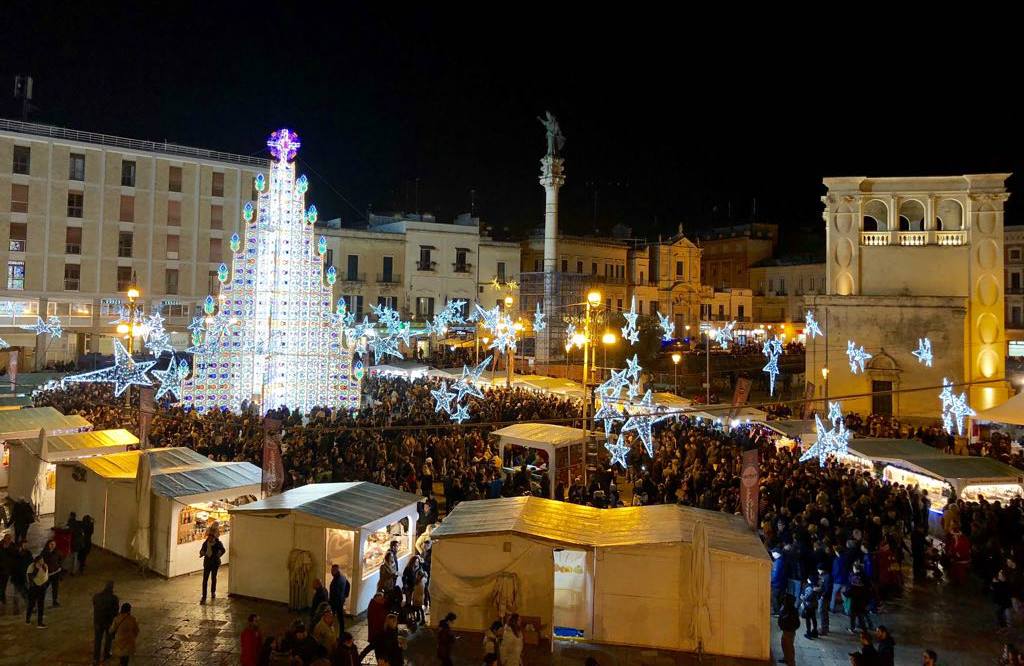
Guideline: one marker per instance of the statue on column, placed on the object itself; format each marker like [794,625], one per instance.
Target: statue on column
[555,138]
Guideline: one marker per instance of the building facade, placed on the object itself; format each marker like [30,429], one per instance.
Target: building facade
[1013,260]
[84,212]
[780,286]
[728,252]
[912,258]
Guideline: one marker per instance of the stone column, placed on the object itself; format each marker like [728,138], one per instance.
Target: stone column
[552,177]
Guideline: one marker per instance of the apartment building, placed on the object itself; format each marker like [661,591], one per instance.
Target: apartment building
[84,212]
[779,285]
[728,252]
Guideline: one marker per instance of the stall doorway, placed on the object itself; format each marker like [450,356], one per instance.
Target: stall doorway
[339,550]
[881,398]
[572,585]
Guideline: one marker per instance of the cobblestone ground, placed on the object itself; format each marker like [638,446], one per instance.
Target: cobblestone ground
[175,629]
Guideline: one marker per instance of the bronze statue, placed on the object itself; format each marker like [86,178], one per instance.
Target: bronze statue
[555,138]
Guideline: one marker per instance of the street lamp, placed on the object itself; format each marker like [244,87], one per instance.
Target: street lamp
[510,354]
[676,357]
[824,376]
[594,299]
[607,340]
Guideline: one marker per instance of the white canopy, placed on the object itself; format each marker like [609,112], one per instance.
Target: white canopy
[539,435]
[78,445]
[1011,411]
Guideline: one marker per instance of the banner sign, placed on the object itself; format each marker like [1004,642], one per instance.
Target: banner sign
[273,465]
[740,395]
[750,481]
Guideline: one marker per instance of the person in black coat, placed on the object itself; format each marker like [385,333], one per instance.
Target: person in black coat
[211,552]
[340,588]
[320,597]
[385,645]
[105,606]
[7,560]
[88,527]
[22,515]
[54,562]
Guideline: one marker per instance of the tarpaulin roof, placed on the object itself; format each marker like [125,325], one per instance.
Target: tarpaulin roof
[532,434]
[1011,411]
[125,465]
[208,479]
[22,423]
[965,469]
[792,428]
[891,449]
[351,504]
[58,446]
[576,525]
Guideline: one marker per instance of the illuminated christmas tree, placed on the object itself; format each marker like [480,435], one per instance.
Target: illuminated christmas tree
[268,337]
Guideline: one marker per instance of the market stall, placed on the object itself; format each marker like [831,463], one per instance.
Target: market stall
[348,524]
[964,477]
[26,423]
[543,443]
[189,493]
[871,454]
[33,468]
[404,369]
[792,432]
[672,403]
[573,570]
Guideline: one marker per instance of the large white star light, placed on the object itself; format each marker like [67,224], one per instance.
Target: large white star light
[642,417]
[835,414]
[461,414]
[723,336]
[158,340]
[954,408]
[923,351]
[629,331]
[538,320]
[633,368]
[772,349]
[171,378]
[811,328]
[124,373]
[858,357]
[489,318]
[668,328]
[618,451]
[443,398]
[466,384]
[450,316]
[833,441]
[51,326]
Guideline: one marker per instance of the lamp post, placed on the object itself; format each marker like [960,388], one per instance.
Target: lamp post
[607,340]
[593,300]
[129,328]
[676,357]
[707,367]
[824,376]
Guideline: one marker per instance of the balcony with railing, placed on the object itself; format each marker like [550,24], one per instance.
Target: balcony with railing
[951,237]
[874,237]
[426,265]
[389,278]
[462,268]
[913,238]
[352,277]
[71,284]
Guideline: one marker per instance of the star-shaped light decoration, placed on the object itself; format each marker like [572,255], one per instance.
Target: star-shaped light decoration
[633,368]
[443,398]
[642,417]
[171,379]
[461,414]
[51,325]
[833,441]
[538,320]
[124,373]
[385,345]
[834,413]
[773,350]
[489,318]
[466,385]
[570,333]
[629,331]
[450,316]
[618,451]
[723,336]
[858,357]
[609,415]
[811,328]
[668,328]
[158,340]
[954,408]
[923,351]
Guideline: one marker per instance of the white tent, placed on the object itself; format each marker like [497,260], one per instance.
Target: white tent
[26,423]
[33,469]
[348,524]
[563,446]
[1011,411]
[968,477]
[189,492]
[675,405]
[625,576]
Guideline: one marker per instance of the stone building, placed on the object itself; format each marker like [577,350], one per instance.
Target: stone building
[780,284]
[1013,239]
[728,252]
[910,258]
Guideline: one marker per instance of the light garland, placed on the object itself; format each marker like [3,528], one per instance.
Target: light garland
[858,357]
[642,417]
[629,331]
[924,351]
[124,373]
[811,328]
[773,350]
[668,328]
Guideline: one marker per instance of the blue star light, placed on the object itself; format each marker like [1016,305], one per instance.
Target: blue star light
[772,349]
[618,450]
[857,356]
[538,320]
[171,378]
[667,327]
[629,331]
[609,415]
[923,351]
[835,415]
[466,385]
[124,373]
[461,414]
[811,328]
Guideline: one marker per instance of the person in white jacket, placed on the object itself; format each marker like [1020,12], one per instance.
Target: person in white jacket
[38,576]
[510,651]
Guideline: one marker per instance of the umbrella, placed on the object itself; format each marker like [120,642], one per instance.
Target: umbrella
[143,491]
[700,581]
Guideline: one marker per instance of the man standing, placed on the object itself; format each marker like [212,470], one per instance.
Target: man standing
[22,515]
[789,622]
[251,642]
[54,561]
[7,561]
[104,609]
[211,552]
[339,590]
[37,577]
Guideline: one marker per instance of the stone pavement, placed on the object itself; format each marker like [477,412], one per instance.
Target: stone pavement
[175,629]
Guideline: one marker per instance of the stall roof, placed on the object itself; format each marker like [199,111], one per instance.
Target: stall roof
[672,401]
[59,446]
[891,449]
[352,504]
[577,525]
[555,385]
[208,479]
[1011,411]
[125,465]
[532,434]
[22,423]
[722,411]
[965,469]
[792,428]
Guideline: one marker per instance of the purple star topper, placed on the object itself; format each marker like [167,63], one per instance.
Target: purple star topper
[284,144]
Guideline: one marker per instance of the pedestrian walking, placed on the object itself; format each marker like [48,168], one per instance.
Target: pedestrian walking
[326,632]
[8,559]
[22,516]
[125,629]
[389,570]
[211,552]
[320,601]
[789,622]
[825,597]
[510,650]
[386,646]
[251,642]
[54,566]
[22,561]
[105,605]
[88,527]
[37,576]
[347,654]
[809,607]
[339,591]
[1001,597]
[886,646]
[446,640]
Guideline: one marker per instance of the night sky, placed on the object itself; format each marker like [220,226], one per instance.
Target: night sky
[669,119]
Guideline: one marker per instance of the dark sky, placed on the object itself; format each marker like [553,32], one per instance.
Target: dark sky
[669,118]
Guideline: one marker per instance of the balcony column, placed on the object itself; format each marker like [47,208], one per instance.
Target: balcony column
[931,223]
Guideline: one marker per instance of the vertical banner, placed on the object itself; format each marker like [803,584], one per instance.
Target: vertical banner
[750,480]
[273,466]
[740,394]
[808,406]
[12,366]
[147,409]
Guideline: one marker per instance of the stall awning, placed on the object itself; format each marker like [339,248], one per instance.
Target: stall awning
[125,465]
[352,504]
[792,428]
[211,478]
[576,525]
[92,442]
[25,423]
[532,434]
[965,470]
[1011,411]
[886,450]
